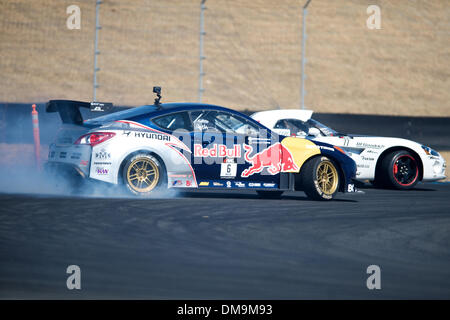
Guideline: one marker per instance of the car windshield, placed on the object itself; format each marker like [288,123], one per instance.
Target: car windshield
[326,131]
[302,128]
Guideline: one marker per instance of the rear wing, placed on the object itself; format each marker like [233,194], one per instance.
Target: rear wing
[69,110]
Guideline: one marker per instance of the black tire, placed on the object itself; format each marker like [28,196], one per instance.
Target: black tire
[377,183]
[399,170]
[312,184]
[269,194]
[143,174]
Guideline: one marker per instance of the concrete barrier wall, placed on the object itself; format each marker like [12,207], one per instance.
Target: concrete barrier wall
[15,125]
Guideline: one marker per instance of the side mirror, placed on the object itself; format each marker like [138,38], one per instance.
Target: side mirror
[313,132]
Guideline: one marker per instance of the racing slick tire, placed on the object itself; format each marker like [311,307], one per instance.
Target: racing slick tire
[269,194]
[320,178]
[400,170]
[143,174]
[377,183]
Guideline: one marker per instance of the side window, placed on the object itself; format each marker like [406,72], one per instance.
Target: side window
[222,122]
[235,124]
[173,121]
[203,120]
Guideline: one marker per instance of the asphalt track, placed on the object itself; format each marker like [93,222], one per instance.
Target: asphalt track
[228,246]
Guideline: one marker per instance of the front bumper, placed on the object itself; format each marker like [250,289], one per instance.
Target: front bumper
[434,169]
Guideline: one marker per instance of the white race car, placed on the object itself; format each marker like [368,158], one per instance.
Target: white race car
[386,162]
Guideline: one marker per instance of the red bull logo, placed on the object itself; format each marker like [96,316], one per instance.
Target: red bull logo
[275,158]
[218,150]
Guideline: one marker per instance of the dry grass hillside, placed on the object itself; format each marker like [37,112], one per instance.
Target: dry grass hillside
[252,53]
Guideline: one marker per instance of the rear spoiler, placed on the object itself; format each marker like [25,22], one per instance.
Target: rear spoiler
[69,110]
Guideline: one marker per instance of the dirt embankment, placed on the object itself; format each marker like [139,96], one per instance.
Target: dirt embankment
[252,54]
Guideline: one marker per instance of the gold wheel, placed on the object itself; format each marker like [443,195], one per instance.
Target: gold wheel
[142,175]
[327,177]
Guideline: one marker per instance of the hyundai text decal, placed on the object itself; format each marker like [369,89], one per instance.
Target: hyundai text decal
[151,135]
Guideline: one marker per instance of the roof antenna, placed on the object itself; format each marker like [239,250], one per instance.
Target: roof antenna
[157,90]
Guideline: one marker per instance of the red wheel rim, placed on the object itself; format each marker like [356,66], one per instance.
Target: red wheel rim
[405,170]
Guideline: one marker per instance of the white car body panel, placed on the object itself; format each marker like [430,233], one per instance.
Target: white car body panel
[365,150]
[107,157]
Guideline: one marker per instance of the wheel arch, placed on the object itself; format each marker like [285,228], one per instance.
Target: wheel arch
[341,187]
[132,154]
[398,148]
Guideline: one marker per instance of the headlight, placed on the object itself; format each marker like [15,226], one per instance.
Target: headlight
[430,151]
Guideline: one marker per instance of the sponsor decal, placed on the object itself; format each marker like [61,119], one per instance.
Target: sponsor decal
[228,184]
[102,163]
[319,147]
[218,150]
[188,183]
[229,160]
[275,158]
[177,183]
[204,184]
[351,188]
[367,159]
[83,163]
[369,145]
[101,171]
[269,185]
[239,184]
[217,184]
[126,133]
[102,155]
[152,135]
[178,175]
[254,185]
[76,155]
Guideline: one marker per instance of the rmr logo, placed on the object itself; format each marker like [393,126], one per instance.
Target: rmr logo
[73,22]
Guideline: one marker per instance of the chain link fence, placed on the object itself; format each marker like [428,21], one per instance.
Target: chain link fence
[252,50]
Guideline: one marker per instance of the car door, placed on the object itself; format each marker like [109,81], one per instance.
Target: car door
[231,151]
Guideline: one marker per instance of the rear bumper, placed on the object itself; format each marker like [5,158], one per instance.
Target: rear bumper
[73,157]
[64,170]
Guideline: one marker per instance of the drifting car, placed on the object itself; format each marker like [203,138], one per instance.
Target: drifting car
[193,145]
[386,162]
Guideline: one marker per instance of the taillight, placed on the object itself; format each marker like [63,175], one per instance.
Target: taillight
[95,138]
